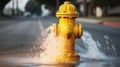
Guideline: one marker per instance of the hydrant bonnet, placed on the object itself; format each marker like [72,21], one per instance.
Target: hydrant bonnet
[67,10]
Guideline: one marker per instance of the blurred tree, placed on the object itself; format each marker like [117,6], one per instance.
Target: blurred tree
[100,3]
[105,4]
[2,5]
[53,5]
[33,7]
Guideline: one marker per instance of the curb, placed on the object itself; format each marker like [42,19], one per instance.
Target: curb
[113,24]
[94,21]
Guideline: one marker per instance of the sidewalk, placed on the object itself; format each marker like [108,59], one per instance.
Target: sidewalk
[94,21]
[86,20]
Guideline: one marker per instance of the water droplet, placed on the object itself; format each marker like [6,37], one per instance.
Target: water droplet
[113,47]
[98,44]
[107,42]
[106,37]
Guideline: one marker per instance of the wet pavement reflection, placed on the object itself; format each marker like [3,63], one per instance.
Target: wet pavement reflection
[84,62]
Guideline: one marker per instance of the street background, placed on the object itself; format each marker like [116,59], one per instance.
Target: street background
[21,26]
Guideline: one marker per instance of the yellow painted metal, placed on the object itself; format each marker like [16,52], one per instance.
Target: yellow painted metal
[67,31]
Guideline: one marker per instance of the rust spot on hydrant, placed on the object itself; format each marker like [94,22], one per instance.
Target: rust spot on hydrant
[67,31]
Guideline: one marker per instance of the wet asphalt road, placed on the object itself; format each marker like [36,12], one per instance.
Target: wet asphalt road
[22,34]
[19,33]
[108,37]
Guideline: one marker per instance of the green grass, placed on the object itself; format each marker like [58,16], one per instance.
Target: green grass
[110,19]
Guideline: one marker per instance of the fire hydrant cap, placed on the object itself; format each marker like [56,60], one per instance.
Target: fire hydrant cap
[67,10]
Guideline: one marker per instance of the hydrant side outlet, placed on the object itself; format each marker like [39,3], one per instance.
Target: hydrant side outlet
[66,31]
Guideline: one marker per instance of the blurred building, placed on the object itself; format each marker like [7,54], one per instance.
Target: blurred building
[84,7]
[15,7]
[87,9]
[114,11]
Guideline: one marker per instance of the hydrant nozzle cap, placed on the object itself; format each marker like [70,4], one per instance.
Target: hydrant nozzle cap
[67,10]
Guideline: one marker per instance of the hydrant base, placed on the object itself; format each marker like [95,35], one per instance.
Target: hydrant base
[66,58]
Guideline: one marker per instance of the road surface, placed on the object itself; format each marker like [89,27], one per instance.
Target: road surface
[18,35]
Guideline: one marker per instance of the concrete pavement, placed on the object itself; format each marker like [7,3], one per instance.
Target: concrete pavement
[94,21]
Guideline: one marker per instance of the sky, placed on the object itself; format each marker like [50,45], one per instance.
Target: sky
[21,4]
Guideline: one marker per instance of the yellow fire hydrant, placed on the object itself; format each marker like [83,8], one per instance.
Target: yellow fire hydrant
[67,31]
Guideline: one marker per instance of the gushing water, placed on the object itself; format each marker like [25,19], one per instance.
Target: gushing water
[46,47]
[49,47]
[92,47]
